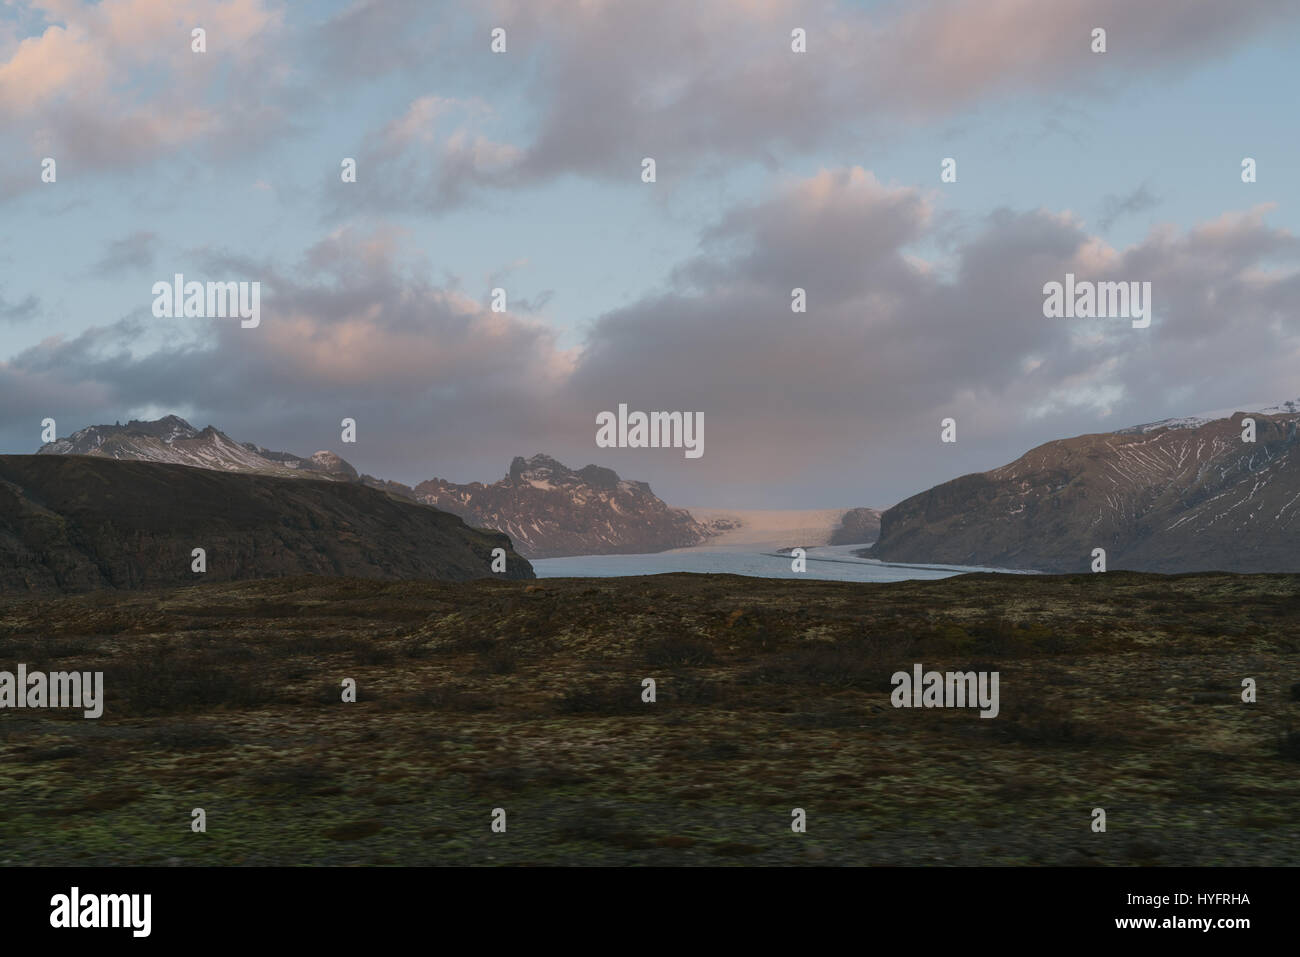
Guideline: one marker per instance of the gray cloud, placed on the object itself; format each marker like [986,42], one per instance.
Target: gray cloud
[115,86]
[20,311]
[133,252]
[1115,207]
[374,38]
[840,405]
[347,331]
[700,87]
[855,389]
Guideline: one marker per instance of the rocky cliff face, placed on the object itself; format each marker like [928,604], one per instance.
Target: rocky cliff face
[1184,495]
[76,523]
[857,526]
[549,510]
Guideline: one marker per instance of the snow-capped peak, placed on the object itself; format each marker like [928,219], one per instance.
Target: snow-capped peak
[173,440]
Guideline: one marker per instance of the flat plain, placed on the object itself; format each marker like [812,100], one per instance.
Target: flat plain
[1121,691]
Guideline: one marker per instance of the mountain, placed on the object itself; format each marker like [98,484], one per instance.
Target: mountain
[549,510]
[174,441]
[1176,496]
[77,523]
[546,508]
[857,525]
[1291,407]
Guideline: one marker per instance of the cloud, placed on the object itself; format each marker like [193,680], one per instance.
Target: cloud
[840,404]
[369,39]
[591,87]
[841,232]
[19,311]
[853,391]
[115,84]
[352,329]
[133,252]
[694,86]
[436,155]
[934,57]
[1115,207]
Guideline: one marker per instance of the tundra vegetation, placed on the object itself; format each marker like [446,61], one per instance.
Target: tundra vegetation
[1121,691]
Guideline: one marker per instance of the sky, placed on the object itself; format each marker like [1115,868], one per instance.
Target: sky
[774,169]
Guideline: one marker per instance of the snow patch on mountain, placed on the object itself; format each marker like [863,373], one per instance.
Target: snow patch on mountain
[173,441]
[550,510]
[1290,407]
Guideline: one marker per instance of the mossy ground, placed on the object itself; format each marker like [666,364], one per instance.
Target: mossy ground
[1120,691]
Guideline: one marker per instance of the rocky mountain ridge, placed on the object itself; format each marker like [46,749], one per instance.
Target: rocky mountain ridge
[550,510]
[1182,496]
[546,508]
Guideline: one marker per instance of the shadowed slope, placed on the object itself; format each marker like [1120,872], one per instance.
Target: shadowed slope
[74,523]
